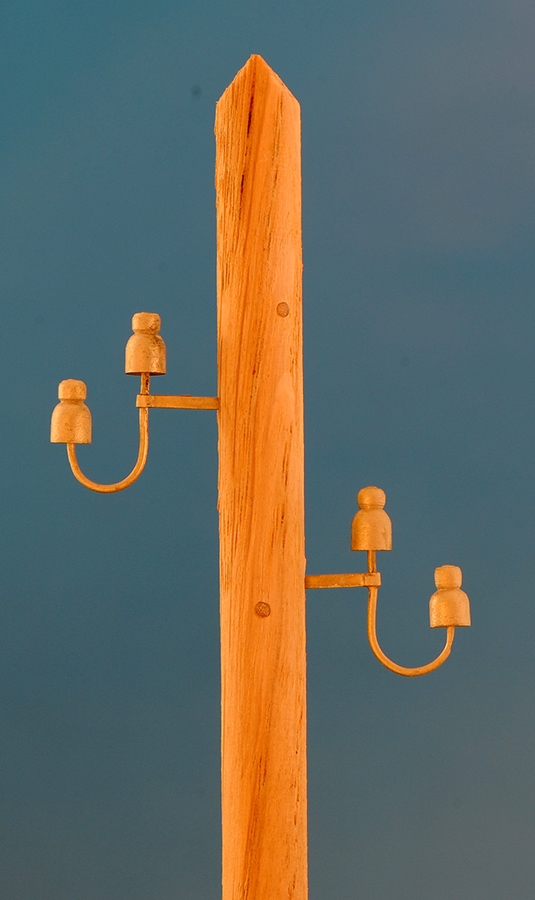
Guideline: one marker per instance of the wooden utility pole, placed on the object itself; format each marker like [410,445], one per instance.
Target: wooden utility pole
[261,489]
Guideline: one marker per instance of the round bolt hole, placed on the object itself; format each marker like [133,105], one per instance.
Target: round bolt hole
[262,609]
[283,309]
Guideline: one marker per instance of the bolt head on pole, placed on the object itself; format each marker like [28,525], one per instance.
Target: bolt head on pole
[449,605]
[145,350]
[371,528]
[71,419]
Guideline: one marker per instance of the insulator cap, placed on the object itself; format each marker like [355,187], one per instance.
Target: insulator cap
[145,350]
[371,528]
[449,605]
[71,419]
[70,389]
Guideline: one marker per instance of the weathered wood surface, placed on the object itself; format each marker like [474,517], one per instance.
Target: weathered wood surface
[261,489]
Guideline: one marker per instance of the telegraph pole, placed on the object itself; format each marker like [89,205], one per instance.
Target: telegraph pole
[261,489]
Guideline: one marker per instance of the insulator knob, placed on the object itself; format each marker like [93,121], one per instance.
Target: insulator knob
[371,528]
[449,605]
[71,419]
[145,350]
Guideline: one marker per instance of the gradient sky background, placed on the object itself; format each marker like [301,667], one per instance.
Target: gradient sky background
[419,220]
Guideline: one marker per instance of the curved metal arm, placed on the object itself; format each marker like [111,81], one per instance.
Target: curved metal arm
[136,471]
[383,658]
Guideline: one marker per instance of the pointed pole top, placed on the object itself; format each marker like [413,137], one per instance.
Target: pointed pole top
[256,71]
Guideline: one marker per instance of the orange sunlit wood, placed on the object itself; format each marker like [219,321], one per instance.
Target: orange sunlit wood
[261,489]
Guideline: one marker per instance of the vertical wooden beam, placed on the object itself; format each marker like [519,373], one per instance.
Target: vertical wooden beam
[261,489]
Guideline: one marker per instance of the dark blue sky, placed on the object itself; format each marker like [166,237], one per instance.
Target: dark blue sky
[418,229]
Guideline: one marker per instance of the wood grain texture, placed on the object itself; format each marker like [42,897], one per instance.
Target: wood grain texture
[261,489]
